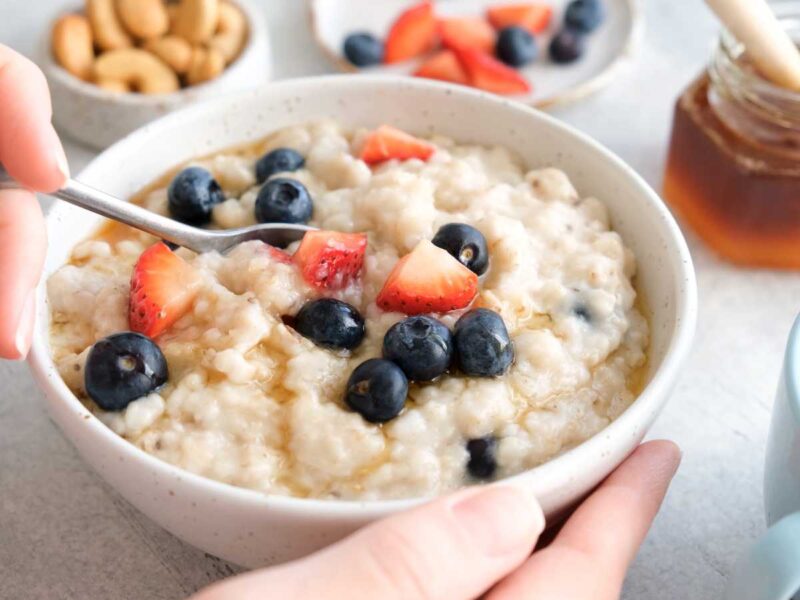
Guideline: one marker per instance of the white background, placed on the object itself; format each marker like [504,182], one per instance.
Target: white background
[65,534]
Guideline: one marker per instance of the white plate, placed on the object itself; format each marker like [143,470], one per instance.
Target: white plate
[333,20]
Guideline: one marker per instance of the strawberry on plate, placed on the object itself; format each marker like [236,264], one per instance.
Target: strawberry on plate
[428,280]
[467,32]
[413,33]
[443,66]
[488,73]
[163,288]
[533,17]
[331,259]
[386,143]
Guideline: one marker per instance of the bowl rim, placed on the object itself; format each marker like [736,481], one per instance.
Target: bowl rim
[643,409]
[257,31]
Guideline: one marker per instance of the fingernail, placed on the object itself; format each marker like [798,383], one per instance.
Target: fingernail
[500,518]
[61,161]
[25,326]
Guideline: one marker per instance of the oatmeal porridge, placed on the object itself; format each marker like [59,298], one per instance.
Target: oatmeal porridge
[455,318]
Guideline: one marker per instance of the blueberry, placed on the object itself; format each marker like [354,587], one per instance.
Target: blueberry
[363,49]
[516,46]
[122,368]
[584,15]
[330,323]
[377,390]
[567,46]
[466,244]
[192,195]
[482,343]
[482,462]
[421,346]
[283,200]
[281,160]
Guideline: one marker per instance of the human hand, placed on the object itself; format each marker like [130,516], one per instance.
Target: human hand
[479,541]
[32,154]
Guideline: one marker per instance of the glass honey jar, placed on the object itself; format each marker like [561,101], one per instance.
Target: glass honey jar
[733,169]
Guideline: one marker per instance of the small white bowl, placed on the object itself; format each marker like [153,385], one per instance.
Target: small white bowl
[254,529]
[99,118]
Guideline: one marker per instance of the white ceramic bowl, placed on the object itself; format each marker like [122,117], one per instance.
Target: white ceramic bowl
[252,529]
[99,118]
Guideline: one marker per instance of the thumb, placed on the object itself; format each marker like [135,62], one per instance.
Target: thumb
[454,548]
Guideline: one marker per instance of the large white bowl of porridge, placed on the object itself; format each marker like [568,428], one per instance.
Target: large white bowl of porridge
[488,294]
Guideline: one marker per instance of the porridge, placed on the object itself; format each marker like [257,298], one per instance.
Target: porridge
[456,318]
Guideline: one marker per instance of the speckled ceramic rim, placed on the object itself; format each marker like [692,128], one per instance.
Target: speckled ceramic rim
[573,94]
[630,424]
[791,369]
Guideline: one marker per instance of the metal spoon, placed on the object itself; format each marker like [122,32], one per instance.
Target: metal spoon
[193,238]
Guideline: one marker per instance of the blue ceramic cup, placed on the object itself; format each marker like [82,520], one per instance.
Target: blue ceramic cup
[771,569]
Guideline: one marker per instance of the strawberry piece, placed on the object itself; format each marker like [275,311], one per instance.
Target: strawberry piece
[533,17]
[427,280]
[413,33]
[386,143]
[331,259]
[443,66]
[467,32]
[488,73]
[163,288]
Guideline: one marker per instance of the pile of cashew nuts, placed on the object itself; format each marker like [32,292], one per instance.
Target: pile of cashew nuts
[149,46]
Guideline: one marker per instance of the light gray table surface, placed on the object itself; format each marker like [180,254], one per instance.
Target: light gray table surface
[65,534]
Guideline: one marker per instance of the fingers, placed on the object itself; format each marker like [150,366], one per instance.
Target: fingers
[29,146]
[589,558]
[455,548]
[22,250]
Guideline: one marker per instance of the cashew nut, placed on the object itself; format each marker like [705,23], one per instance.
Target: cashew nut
[72,45]
[231,32]
[108,31]
[205,65]
[143,71]
[113,85]
[173,50]
[143,18]
[197,20]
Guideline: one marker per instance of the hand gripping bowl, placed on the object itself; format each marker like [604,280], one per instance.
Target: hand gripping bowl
[252,529]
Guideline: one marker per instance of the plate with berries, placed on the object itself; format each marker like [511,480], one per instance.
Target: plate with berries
[543,53]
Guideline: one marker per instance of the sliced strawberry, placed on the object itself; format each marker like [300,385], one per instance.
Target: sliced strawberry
[488,73]
[428,280]
[331,259]
[533,17]
[413,33]
[163,288]
[467,32]
[386,143]
[443,66]
[278,255]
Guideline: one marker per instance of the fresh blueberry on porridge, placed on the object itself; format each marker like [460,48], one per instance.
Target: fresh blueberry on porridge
[456,316]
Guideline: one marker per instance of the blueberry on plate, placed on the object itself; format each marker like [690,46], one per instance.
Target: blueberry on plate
[482,460]
[377,390]
[330,323]
[482,344]
[421,346]
[192,195]
[122,368]
[466,244]
[363,49]
[584,15]
[280,160]
[516,46]
[283,200]
[567,46]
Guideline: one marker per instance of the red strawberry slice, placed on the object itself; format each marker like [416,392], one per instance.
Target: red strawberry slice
[331,259]
[467,32]
[413,33]
[386,143]
[428,280]
[163,288]
[488,73]
[533,17]
[443,66]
